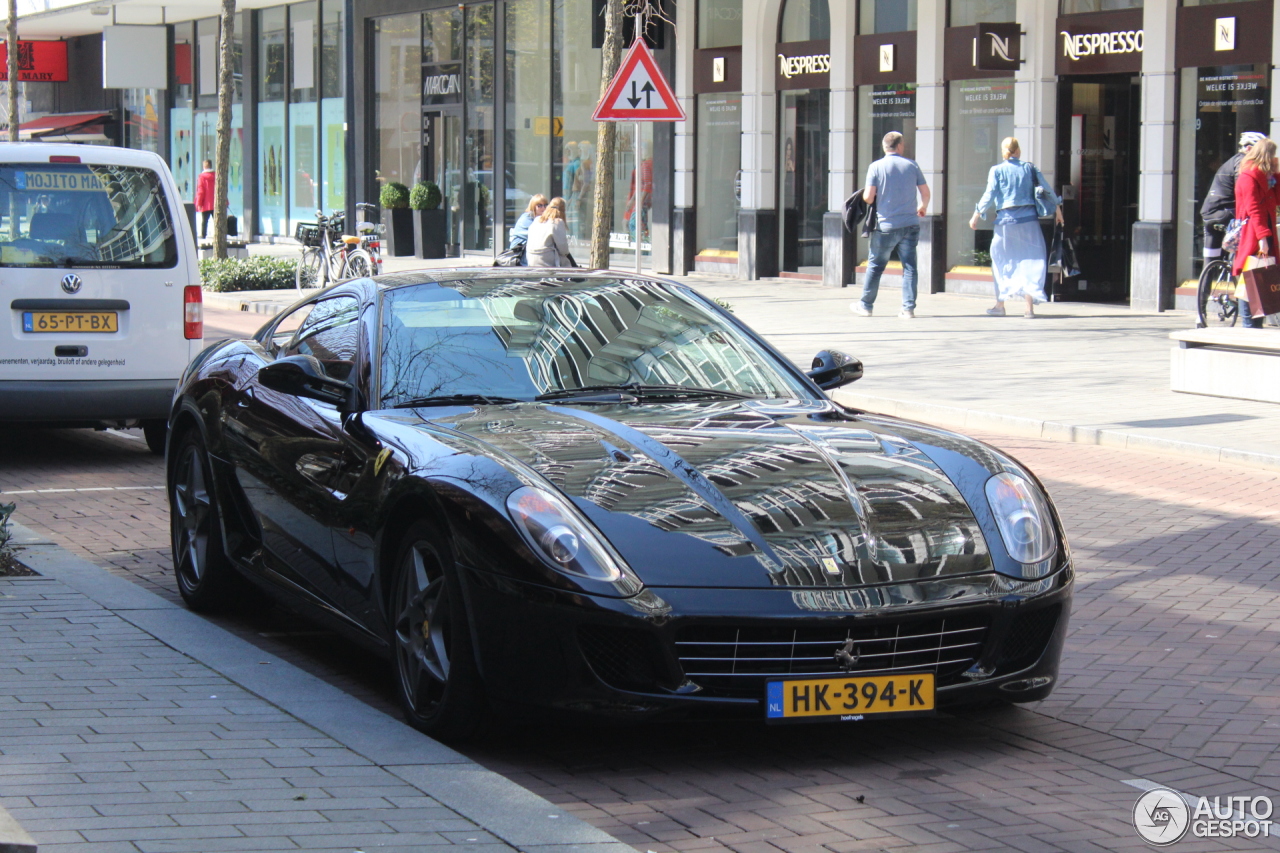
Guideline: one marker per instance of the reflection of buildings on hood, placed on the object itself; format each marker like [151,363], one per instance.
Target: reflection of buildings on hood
[819,506]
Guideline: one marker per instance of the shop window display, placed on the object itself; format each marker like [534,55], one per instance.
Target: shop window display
[272,217]
[979,115]
[1221,102]
[397,98]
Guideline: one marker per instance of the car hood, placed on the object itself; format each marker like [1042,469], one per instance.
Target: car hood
[745,493]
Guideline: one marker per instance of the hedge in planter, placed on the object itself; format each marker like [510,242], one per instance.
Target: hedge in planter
[396,219]
[429,221]
[260,272]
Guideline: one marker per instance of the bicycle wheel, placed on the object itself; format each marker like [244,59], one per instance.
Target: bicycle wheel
[310,267]
[1215,296]
[359,264]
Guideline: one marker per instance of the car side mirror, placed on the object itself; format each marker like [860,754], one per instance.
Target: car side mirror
[832,368]
[303,376]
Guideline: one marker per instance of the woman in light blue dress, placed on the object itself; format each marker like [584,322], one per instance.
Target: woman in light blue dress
[1018,257]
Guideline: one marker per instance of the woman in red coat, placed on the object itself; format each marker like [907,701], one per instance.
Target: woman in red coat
[1257,196]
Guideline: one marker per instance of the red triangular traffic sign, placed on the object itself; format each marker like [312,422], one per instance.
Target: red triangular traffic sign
[639,92]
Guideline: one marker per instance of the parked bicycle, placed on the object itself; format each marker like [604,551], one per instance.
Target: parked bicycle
[1216,303]
[330,256]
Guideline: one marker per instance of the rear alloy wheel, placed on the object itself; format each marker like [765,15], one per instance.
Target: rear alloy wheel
[436,676]
[204,573]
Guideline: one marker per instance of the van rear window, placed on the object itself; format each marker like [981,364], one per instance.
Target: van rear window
[82,215]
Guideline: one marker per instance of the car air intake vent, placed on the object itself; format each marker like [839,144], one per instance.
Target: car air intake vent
[1026,639]
[736,661]
[621,657]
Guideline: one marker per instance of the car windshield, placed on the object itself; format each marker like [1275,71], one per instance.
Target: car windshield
[528,338]
[81,215]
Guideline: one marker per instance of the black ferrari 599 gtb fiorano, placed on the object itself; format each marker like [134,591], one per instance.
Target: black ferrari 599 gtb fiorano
[601,492]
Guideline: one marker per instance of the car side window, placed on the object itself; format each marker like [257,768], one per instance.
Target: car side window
[288,325]
[331,333]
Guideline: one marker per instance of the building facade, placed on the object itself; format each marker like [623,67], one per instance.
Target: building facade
[1127,106]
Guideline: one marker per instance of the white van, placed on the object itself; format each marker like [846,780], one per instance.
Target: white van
[99,269]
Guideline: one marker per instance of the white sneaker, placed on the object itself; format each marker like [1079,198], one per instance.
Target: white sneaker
[907,314]
[860,309]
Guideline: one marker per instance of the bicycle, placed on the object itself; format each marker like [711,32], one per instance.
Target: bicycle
[327,259]
[1216,293]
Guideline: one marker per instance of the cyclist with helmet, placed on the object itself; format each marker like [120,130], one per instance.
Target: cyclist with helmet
[1219,206]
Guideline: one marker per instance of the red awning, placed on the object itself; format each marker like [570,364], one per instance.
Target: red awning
[62,124]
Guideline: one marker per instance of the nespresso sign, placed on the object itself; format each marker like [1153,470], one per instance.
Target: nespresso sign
[803,64]
[1076,45]
[1100,43]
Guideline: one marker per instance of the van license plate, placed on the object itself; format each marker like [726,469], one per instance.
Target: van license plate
[66,321]
[850,698]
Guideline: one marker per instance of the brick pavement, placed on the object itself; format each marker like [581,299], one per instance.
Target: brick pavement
[1169,675]
[112,741]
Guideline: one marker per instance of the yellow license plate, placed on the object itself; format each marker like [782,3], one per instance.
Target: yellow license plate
[66,321]
[849,697]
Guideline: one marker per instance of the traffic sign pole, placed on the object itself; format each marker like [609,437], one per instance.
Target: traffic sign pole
[630,97]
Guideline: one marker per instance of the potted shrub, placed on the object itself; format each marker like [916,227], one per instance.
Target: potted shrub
[396,219]
[428,220]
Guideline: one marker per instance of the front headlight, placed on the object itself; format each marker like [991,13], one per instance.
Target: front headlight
[555,531]
[1023,516]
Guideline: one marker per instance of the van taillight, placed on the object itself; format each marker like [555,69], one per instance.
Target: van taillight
[193,312]
[63,158]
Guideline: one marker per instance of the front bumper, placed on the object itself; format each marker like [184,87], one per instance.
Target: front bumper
[85,402]
[686,650]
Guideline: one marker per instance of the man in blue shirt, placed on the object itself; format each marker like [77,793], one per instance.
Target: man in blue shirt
[892,182]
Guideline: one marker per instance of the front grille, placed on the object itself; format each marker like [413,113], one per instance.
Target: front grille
[736,661]
[1026,639]
[621,657]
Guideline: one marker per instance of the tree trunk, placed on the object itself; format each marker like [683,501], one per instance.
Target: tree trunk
[606,139]
[222,157]
[12,85]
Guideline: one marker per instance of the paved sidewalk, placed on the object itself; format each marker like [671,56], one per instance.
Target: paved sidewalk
[132,724]
[1097,374]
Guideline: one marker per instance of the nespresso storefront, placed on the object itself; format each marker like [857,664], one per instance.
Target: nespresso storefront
[1099,64]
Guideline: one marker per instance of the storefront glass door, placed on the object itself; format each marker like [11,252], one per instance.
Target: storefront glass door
[442,154]
[1097,169]
[803,169]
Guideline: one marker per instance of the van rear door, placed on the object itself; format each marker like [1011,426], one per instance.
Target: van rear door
[95,254]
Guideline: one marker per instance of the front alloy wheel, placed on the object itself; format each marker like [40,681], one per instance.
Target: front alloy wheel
[435,671]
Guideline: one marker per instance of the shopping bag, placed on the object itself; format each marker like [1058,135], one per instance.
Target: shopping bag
[1262,286]
[1062,254]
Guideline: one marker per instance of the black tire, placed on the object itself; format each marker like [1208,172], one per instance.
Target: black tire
[1214,280]
[436,678]
[359,264]
[310,269]
[155,433]
[205,576]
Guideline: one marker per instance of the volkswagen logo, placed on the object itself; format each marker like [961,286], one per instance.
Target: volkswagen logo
[71,283]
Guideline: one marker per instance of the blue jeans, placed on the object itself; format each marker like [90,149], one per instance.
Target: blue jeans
[882,245]
[1248,322]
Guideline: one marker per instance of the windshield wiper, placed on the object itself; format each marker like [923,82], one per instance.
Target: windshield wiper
[453,400]
[636,389]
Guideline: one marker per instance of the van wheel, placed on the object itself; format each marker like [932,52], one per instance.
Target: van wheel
[155,433]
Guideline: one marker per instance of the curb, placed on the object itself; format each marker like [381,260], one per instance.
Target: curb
[515,815]
[973,419]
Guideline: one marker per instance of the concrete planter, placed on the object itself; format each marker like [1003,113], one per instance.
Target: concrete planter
[398,236]
[428,233]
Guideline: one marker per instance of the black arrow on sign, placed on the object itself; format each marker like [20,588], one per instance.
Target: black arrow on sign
[648,93]
[633,100]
